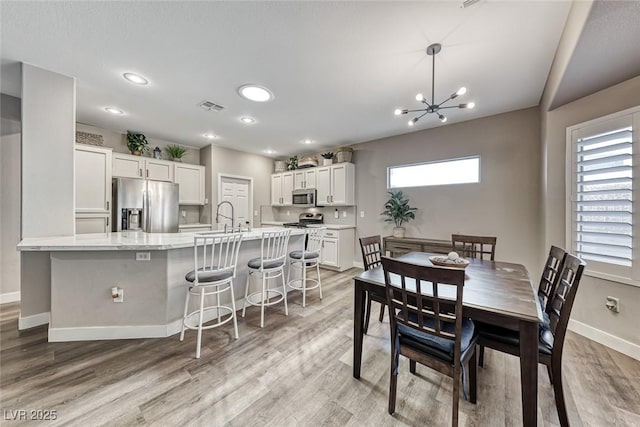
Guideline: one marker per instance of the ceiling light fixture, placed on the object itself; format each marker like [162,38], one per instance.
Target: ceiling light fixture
[210,136]
[113,110]
[307,141]
[269,151]
[432,107]
[247,120]
[135,78]
[255,93]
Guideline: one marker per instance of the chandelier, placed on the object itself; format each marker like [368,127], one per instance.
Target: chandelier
[432,107]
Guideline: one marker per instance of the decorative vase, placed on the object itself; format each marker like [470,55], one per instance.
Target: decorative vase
[398,232]
[175,159]
[137,153]
[327,162]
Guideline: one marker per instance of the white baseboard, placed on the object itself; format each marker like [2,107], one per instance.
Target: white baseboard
[114,332]
[358,264]
[9,297]
[605,338]
[26,322]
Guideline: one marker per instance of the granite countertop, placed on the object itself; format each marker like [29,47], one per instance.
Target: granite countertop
[334,226]
[126,240]
[183,226]
[274,222]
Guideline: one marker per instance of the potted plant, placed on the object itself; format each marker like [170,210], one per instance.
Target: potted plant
[137,143]
[327,158]
[398,211]
[292,163]
[176,152]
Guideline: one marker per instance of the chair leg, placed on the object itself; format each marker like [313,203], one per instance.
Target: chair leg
[284,295]
[218,309]
[381,312]
[367,313]
[393,385]
[559,394]
[412,366]
[264,283]
[550,372]
[233,313]
[473,377]
[319,282]
[481,358]
[184,317]
[456,395]
[303,279]
[289,271]
[246,293]
[199,340]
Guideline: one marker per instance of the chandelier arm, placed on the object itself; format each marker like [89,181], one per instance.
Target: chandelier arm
[415,111]
[451,106]
[433,80]
[445,101]
[421,116]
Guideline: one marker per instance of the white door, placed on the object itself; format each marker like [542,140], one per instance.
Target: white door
[93,179]
[329,252]
[126,166]
[237,192]
[298,180]
[190,178]
[323,184]
[339,185]
[276,190]
[287,188]
[310,178]
[159,170]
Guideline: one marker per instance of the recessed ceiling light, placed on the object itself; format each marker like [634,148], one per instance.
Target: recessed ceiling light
[135,78]
[255,93]
[210,136]
[307,141]
[113,110]
[247,120]
[269,151]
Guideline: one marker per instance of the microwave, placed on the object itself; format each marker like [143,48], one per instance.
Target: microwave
[304,198]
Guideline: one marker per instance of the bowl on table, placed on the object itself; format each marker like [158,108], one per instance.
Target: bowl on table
[446,261]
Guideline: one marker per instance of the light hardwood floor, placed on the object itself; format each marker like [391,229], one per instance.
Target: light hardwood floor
[295,371]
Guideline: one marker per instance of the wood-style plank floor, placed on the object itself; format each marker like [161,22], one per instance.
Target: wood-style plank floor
[294,372]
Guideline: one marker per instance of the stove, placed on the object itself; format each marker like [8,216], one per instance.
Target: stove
[305,219]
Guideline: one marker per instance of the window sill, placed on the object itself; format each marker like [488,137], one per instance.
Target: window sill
[612,278]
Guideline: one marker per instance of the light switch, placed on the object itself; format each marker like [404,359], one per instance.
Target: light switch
[361,214]
[344,214]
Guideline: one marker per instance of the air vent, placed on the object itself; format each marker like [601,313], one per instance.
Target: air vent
[210,106]
[468,3]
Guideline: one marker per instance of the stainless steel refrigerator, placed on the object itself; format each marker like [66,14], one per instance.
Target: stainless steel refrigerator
[150,206]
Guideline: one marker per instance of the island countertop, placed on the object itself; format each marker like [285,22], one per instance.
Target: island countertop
[126,240]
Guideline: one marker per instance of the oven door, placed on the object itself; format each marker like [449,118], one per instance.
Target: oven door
[304,198]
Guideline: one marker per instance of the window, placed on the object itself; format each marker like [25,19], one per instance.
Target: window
[443,172]
[601,215]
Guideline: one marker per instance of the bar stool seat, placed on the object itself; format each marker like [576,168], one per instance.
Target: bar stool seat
[215,259]
[304,258]
[269,265]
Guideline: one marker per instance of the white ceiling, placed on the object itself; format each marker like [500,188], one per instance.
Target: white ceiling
[337,69]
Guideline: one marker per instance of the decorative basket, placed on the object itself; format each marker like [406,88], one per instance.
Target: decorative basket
[89,138]
[343,155]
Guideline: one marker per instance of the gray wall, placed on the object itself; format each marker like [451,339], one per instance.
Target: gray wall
[589,305]
[224,160]
[9,195]
[504,204]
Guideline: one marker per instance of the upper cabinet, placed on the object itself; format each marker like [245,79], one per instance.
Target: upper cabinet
[336,185]
[128,166]
[191,181]
[93,179]
[304,179]
[282,189]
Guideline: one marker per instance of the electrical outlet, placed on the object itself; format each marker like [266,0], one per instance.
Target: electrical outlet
[117,294]
[143,256]
[255,213]
[336,214]
[344,214]
[613,304]
[183,213]
[361,214]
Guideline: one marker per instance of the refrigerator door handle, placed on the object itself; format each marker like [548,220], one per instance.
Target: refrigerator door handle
[145,211]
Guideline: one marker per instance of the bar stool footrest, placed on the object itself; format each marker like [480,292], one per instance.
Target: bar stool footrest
[268,294]
[225,317]
[292,284]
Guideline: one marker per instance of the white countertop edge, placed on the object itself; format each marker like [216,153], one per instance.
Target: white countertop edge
[193,225]
[125,241]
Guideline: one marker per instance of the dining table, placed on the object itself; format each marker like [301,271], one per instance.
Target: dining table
[495,292]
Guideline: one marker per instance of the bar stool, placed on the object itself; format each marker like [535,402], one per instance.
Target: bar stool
[215,257]
[270,265]
[309,256]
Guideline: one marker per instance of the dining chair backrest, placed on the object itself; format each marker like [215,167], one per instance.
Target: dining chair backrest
[371,248]
[425,298]
[562,301]
[215,251]
[550,276]
[313,242]
[273,248]
[474,246]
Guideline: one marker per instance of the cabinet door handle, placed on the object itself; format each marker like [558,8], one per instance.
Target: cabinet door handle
[147,173]
[327,199]
[107,205]
[139,172]
[107,222]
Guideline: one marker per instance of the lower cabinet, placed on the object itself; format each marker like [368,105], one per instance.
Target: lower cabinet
[337,249]
[88,223]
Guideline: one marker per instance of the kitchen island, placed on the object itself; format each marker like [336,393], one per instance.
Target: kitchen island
[149,267]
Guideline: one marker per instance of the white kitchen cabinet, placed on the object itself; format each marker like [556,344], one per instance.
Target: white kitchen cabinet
[92,179]
[128,166]
[282,189]
[190,179]
[92,223]
[336,185]
[304,179]
[337,249]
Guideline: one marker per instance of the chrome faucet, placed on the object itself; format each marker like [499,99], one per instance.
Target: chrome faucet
[218,214]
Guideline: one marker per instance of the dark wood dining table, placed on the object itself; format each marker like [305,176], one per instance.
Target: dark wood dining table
[498,293]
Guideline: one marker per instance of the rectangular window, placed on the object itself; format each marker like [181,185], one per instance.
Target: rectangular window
[443,172]
[601,213]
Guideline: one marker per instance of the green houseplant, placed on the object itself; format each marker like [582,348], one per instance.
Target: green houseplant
[398,211]
[176,152]
[137,143]
[292,163]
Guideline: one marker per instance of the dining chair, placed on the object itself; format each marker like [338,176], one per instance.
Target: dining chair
[371,248]
[474,246]
[548,283]
[553,330]
[215,257]
[427,326]
[307,257]
[269,266]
